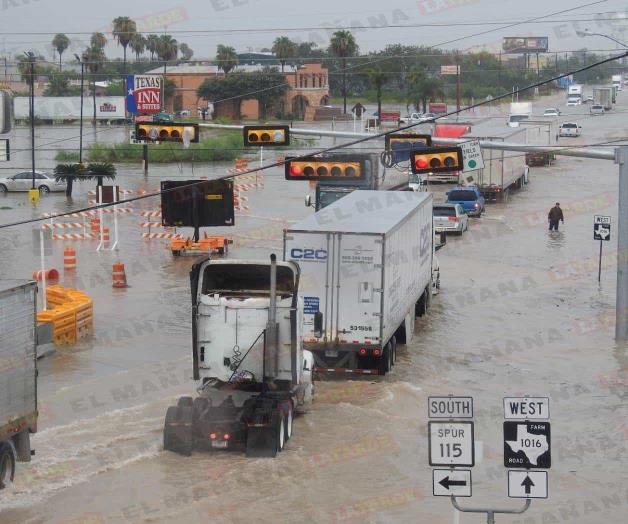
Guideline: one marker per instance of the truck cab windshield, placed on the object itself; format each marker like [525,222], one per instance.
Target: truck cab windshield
[328,197]
[245,280]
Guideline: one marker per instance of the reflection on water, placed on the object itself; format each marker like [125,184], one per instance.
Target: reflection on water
[555,239]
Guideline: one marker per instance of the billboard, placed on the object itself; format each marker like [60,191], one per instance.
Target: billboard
[525,44]
[144,94]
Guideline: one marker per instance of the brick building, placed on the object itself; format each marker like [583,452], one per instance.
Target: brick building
[308,89]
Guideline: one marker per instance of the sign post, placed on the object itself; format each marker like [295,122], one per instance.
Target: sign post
[601,232]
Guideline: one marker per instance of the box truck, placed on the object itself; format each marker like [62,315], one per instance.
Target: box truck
[519,111]
[366,273]
[603,96]
[616,81]
[247,353]
[18,374]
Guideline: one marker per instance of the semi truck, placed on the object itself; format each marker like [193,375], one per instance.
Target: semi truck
[366,274]
[574,95]
[18,374]
[331,188]
[519,111]
[603,96]
[616,81]
[248,356]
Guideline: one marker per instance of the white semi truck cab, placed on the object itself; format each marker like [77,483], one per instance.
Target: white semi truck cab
[248,356]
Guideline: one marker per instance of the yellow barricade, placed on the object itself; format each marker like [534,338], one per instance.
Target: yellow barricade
[71,314]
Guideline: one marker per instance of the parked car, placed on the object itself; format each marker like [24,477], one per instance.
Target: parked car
[24,181]
[450,218]
[569,129]
[163,117]
[469,197]
[597,109]
[551,111]
[588,99]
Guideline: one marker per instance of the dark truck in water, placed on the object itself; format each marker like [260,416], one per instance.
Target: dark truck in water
[337,175]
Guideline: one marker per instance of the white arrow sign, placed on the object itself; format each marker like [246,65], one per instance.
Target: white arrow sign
[527,484]
[448,482]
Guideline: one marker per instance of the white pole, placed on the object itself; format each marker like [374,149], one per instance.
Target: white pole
[115,220]
[43,266]
[261,157]
[100,217]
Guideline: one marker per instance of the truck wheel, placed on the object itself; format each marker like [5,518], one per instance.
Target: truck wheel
[185,402]
[7,464]
[421,306]
[383,365]
[280,431]
[393,345]
[288,420]
[199,407]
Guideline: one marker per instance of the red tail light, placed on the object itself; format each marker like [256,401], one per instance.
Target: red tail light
[226,436]
[213,436]
[377,352]
[362,351]
[452,219]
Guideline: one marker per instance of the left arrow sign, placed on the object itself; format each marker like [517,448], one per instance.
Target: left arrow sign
[449,482]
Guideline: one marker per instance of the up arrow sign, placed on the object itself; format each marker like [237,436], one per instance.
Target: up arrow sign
[527,484]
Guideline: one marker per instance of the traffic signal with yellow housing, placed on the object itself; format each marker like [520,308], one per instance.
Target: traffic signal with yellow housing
[436,160]
[400,145]
[325,168]
[266,135]
[166,132]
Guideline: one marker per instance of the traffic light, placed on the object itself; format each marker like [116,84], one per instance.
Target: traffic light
[166,132]
[321,168]
[266,135]
[437,160]
[401,145]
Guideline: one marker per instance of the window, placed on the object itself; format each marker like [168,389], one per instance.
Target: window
[462,195]
[40,177]
[23,176]
[445,211]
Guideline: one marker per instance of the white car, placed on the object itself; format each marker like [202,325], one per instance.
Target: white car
[24,181]
[575,101]
[569,129]
[450,218]
[551,111]
[597,109]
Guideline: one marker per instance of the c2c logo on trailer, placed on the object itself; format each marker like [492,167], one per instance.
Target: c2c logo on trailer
[308,254]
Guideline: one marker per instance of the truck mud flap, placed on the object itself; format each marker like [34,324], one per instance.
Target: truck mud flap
[178,430]
[347,371]
[261,438]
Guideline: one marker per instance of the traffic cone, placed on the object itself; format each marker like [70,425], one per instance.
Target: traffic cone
[94,226]
[69,259]
[105,234]
[119,275]
[51,274]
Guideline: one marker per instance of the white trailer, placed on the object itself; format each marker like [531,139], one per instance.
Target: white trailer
[68,108]
[18,374]
[616,81]
[366,273]
[248,355]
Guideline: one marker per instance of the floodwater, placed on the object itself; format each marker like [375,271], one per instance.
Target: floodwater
[520,313]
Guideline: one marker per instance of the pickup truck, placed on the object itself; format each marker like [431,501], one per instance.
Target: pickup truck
[416,118]
[469,197]
[569,129]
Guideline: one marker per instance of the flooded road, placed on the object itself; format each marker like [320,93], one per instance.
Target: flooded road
[520,313]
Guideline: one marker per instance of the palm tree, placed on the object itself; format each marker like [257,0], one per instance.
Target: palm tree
[227,58]
[377,78]
[152,45]
[98,41]
[68,173]
[186,52]
[94,59]
[422,88]
[60,42]
[284,48]
[138,45]
[99,171]
[342,44]
[58,85]
[123,30]
[167,49]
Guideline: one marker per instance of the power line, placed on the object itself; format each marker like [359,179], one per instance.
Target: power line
[327,149]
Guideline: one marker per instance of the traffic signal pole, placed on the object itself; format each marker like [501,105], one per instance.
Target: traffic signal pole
[621,304]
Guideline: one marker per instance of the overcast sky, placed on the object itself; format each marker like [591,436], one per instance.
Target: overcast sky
[258,22]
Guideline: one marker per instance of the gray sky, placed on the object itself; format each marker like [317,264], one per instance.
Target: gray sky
[263,20]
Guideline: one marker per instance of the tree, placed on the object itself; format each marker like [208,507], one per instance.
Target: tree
[342,45]
[94,59]
[138,45]
[123,30]
[24,67]
[60,42]
[226,58]
[284,49]
[98,41]
[186,52]
[59,85]
[152,45]
[167,49]
[377,77]
[421,88]
[68,173]
[100,170]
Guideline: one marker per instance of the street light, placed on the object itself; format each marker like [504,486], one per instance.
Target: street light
[31,58]
[586,32]
[81,122]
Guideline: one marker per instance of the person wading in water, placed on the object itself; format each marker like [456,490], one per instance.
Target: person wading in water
[554,216]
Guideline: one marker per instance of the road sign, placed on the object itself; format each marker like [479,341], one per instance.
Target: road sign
[143,93]
[602,232]
[451,444]
[472,155]
[5,152]
[527,445]
[601,219]
[447,482]
[527,484]
[526,408]
[450,407]
[449,70]
[134,141]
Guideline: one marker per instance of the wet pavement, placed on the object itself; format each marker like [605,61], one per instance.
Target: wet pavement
[520,312]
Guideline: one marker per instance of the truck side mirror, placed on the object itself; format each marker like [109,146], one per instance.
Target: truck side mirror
[318,324]
[308,200]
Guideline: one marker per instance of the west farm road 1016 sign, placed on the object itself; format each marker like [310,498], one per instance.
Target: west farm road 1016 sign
[143,94]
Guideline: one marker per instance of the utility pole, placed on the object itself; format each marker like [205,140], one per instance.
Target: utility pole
[621,305]
[31,58]
[81,121]
[457,84]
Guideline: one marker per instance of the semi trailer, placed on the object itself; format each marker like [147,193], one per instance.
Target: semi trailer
[18,374]
[366,274]
[247,354]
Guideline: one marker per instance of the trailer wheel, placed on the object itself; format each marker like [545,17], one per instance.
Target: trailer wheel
[7,464]
[421,306]
[288,420]
[280,431]
[393,345]
[178,436]
[185,402]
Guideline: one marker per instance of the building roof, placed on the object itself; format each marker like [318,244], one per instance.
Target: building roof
[189,69]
